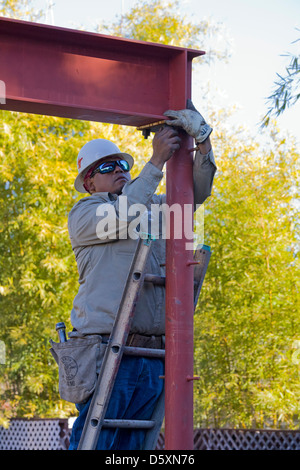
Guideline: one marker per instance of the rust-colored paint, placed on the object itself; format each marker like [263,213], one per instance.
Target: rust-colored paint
[179,311]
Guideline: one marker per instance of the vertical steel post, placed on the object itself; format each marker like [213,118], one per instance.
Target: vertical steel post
[179,286]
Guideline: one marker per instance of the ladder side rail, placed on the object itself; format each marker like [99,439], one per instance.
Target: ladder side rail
[115,347]
[201,257]
[157,417]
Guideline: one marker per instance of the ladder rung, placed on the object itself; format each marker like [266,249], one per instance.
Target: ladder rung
[128,423]
[158,280]
[146,352]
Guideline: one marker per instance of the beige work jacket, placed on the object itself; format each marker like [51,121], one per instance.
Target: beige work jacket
[104,251]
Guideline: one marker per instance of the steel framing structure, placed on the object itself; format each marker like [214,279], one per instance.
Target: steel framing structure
[81,75]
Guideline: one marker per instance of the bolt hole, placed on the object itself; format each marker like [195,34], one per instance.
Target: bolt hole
[115,349]
[136,276]
[94,422]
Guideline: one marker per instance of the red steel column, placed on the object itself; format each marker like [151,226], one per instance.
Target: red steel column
[179,288]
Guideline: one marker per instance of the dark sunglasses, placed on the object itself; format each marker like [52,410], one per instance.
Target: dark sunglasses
[108,167]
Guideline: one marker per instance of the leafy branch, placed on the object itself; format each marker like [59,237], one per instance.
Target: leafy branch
[287,89]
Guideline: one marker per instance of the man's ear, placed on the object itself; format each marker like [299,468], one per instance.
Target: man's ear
[89,185]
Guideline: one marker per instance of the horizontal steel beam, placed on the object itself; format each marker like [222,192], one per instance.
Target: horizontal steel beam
[82,75]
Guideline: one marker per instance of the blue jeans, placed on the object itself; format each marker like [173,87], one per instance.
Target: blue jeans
[134,396]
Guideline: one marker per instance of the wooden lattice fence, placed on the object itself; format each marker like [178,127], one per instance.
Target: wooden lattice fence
[53,434]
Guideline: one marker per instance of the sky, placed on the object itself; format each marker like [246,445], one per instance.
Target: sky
[258,32]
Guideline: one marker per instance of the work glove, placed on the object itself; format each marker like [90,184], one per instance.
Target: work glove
[191,121]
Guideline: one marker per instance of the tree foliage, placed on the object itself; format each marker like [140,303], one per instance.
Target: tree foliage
[37,265]
[20,9]
[286,89]
[163,22]
[247,321]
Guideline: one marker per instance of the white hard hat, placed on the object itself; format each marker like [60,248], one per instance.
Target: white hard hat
[93,151]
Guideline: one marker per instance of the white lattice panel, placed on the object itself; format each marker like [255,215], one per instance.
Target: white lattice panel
[238,439]
[53,434]
[44,434]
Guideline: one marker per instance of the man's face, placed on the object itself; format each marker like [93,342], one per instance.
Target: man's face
[112,182]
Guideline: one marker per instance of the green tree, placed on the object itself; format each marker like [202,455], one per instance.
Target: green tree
[247,319]
[20,9]
[163,22]
[37,267]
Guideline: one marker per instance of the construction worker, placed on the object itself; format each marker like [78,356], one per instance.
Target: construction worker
[104,253]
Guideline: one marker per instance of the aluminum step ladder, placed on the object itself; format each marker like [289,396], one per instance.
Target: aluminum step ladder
[115,349]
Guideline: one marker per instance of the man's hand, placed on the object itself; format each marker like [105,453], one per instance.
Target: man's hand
[165,142]
[191,121]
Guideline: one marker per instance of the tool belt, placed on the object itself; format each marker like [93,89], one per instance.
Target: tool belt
[141,341]
[79,360]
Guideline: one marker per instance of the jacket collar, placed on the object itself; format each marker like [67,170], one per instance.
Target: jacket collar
[105,195]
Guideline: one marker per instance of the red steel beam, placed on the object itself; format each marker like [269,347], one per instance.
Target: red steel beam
[81,75]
